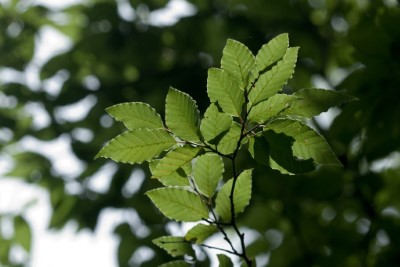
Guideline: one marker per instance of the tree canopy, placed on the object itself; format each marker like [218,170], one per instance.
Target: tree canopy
[333,216]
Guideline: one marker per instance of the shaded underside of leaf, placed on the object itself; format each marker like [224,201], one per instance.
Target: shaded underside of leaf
[137,145]
[281,154]
[308,143]
[224,89]
[136,115]
[182,115]
[200,232]
[179,204]
[224,261]
[174,245]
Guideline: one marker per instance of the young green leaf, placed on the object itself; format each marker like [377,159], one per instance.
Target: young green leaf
[228,142]
[179,204]
[174,245]
[270,107]
[238,61]
[207,172]
[271,82]
[214,124]
[200,232]
[224,261]
[309,144]
[182,115]
[312,101]
[271,52]
[176,178]
[174,160]
[241,196]
[23,235]
[224,89]
[137,145]
[136,115]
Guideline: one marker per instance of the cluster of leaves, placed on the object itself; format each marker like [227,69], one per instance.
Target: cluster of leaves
[249,109]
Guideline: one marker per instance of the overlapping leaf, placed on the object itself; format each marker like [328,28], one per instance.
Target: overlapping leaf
[177,178]
[270,107]
[174,245]
[281,154]
[182,115]
[207,172]
[308,143]
[179,204]
[136,115]
[224,89]
[241,196]
[229,141]
[174,160]
[137,145]
[200,232]
[238,61]
[271,82]
[271,52]
[214,124]
[312,101]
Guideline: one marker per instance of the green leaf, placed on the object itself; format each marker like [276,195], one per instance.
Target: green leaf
[270,107]
[224,261]
[137,145]
[238,61]
[271,52]
[136,115]
[207,172]
[214,124]
[177,178]
[174,160]
[179,204]
[308,143]
[175,264]
[224,89]
[174,245]
[241,196]
[271,82]
[229,141]
[182,115]
[23,235]
[312,101]
[281,155]
[200,232]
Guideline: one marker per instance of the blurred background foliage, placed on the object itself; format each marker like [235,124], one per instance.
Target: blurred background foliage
[117,51]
